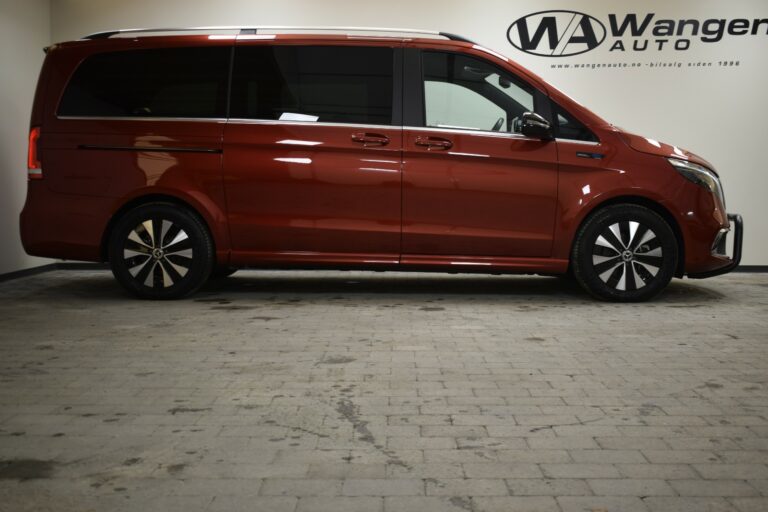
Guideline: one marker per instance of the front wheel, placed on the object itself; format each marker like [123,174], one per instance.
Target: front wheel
[624,253]
[161,251]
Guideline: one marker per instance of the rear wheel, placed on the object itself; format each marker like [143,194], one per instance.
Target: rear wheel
[161,251]
[625,253]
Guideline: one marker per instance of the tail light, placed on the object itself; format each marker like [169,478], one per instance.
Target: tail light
[35,170]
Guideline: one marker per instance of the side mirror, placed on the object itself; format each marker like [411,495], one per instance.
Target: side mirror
[533,125]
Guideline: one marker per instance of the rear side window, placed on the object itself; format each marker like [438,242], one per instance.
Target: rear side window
[331,84]
[163,82]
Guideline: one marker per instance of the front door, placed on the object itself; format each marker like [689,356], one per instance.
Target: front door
[312,154]
[474,188]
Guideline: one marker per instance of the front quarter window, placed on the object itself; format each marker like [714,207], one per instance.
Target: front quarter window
[570,128]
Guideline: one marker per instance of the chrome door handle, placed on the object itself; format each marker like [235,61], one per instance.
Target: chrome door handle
[370,139]
[433,143]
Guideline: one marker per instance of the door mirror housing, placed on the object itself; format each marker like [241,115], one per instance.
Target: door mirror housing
[533,125]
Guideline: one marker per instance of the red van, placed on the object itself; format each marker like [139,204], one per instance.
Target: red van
[181,154]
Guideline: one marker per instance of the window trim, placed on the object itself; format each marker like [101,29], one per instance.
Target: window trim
[142,118]
[459,127]
[250,120]
[413,88]
[397,112]
[414,94]
[469,131]
[81,62]
[397,109]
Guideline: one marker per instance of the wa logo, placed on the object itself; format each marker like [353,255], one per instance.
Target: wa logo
[556,33]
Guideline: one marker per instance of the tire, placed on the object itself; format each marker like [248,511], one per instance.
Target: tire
[222,272]
[161,251]
[624,253]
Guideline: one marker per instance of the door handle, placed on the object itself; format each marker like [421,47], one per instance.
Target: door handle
[370,139]
[433,143]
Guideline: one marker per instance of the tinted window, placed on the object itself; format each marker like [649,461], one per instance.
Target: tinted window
[465,92]
[568,127]
[332,84]
[166,82]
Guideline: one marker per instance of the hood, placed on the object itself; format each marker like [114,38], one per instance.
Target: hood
[654,147]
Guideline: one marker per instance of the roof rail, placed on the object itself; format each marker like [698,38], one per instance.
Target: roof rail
[254,30]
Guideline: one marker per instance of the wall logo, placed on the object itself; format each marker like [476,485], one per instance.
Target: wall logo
[565,33]
[556,33]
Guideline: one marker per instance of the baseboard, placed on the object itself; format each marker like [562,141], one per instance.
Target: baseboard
[71,265]
[61,265]
[74,265]
[751,268]
[28,272]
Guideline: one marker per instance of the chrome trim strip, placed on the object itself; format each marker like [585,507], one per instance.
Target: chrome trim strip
[150,149]
[506,135]
[144,118]
[585,142]
[471,155]
[490,52]
[238,120]
[503,135]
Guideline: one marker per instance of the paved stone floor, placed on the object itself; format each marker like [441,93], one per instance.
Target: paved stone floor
[297,391]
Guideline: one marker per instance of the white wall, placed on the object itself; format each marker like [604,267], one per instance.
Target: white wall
[718,113]
[24,31]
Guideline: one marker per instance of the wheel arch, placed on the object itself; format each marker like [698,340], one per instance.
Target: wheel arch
[154,198]
[652,205]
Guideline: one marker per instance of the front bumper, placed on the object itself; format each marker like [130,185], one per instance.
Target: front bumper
[738,233]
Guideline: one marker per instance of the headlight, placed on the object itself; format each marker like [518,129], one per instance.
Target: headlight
[699,175]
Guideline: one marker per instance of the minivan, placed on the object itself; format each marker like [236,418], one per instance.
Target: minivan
[178,155]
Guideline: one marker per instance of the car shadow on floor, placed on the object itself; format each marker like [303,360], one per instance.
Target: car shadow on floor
[514,287]
[365,286]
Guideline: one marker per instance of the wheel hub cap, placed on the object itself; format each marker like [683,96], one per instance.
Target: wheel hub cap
[627,255]
[158,253]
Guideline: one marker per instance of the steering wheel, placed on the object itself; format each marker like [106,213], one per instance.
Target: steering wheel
[498,125]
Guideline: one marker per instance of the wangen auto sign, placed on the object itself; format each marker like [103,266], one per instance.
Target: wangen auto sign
[556,33]
[561,33]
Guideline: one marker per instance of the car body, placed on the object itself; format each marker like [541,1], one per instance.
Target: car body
[307,150]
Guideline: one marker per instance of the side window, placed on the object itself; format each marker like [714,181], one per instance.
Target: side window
[162,82]
[469,93]
[568,127]
[450,105]
[331,84]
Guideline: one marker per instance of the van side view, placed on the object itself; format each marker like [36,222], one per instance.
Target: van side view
[182,154]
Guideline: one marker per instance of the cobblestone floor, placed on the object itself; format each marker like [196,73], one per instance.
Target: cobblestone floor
[297,391]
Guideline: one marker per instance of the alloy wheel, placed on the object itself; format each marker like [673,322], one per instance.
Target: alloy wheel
[627,255]
[158,253]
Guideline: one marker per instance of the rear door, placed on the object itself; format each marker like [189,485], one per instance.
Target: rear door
[312,153]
